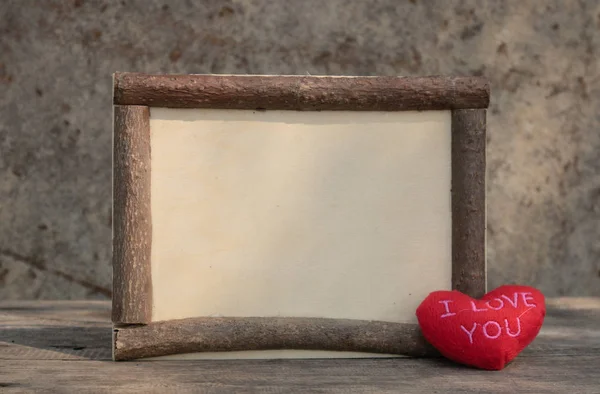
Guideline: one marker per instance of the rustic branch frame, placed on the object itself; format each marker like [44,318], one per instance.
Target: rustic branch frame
[136,336]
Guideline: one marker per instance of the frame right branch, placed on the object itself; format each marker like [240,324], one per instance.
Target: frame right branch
[469,201]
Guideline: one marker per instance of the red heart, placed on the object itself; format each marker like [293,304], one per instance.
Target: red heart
[486,333]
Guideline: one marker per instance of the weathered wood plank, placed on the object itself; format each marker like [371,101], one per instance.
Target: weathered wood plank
[55,330]
[55,347]
[572,327]
[540,375]
[301,92]
[73,312]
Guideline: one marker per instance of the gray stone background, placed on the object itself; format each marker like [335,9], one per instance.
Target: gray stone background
[57,57]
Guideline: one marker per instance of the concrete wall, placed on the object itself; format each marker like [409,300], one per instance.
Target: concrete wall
[57,57]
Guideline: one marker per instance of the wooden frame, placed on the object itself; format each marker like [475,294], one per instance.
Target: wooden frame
[135,336]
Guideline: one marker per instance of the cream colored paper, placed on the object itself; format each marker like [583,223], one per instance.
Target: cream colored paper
[307,214]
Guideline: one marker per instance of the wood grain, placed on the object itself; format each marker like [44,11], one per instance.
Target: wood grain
[239,334]
[469,201]
[132,223]
[58,346]
[301,92]
[573,375]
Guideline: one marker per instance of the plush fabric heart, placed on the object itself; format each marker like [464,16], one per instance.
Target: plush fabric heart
[486,333]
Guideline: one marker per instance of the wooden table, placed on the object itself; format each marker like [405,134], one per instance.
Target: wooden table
[65,347]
